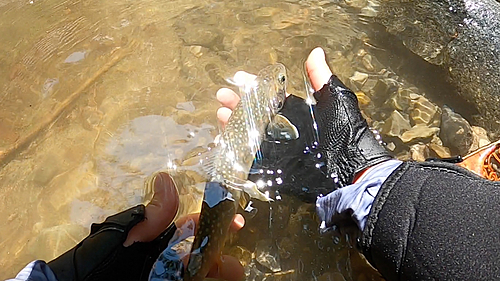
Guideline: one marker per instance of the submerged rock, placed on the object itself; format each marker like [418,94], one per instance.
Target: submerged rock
[419,152]
[419,132]
[456,132]
[424,112]
[439,150]
[395,125]
[463,37]
[266,254]
[480,138]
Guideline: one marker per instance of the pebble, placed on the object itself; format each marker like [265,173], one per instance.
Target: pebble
[242,254]
[401,100]
[357,3]
[363,99]
[439,150]
[196,50]
[456,133]
[480,138]
[423,111]
[367,62]
[358,79]
[419,152]
[267,255]
[418,132]
[395,125]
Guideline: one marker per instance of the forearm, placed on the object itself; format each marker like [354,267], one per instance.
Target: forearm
[434,221]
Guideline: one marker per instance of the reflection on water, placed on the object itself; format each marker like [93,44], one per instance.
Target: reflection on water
[103,94]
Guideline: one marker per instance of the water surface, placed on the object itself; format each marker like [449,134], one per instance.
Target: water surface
[112,91]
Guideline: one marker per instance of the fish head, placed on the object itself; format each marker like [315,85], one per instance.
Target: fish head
[274,81]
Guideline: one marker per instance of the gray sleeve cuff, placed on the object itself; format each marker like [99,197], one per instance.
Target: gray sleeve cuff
[357,198]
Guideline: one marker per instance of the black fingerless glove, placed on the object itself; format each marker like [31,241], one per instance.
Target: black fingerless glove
[345,139]
[102,256]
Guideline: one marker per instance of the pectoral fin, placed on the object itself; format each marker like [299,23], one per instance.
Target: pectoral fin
[280,128]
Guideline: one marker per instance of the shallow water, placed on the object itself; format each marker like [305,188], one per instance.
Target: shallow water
[103,94]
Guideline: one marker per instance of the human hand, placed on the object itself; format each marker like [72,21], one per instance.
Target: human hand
[125,245]
[345,140]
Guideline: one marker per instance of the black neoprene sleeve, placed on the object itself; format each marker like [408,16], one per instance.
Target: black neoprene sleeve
[435,221]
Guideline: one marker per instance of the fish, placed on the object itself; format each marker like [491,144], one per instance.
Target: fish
[228,164]
[460,37]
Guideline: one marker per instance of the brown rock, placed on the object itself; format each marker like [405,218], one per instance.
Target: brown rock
[418,132]
[480,138]
[423,111]
[456,133]
[395,125]
[439,150]
[419,152]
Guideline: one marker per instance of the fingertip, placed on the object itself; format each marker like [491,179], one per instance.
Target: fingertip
[238,223]
[227,97]
[223,115]
[317,69]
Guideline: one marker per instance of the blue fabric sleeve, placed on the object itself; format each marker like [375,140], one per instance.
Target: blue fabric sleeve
[357,197]
[35,271]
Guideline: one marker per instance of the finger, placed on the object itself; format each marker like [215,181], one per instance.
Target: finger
[159,213]
[317,69]
[237,223]
[228,98]
[227,268]
[223,115]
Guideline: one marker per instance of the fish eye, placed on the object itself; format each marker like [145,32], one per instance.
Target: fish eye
[281,79]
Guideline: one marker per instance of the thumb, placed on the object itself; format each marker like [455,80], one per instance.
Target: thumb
[160,212]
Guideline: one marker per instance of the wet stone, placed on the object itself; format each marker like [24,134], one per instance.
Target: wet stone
[439,150]
[357,3]
[423,111]
[391,146]
[383,89]
[369,84]
[401,100]
[419,152]
[266,254]
[480,138]
[242,254]
[363,99]
[367,62]
[419,132]
[395,125]
[456,133]
[358,79]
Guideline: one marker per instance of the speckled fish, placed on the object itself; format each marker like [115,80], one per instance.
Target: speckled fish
[230,161]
